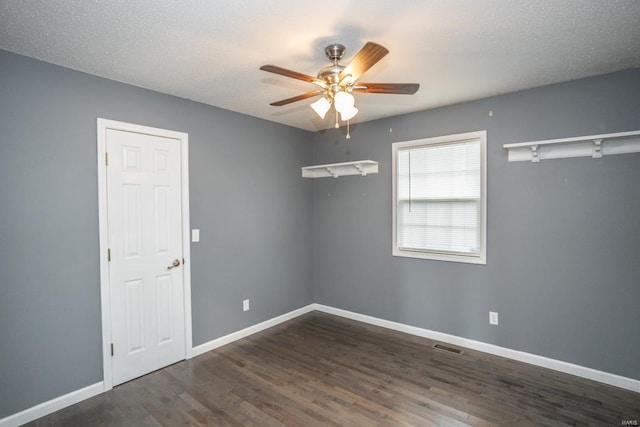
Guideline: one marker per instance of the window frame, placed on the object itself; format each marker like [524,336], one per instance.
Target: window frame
[480,258]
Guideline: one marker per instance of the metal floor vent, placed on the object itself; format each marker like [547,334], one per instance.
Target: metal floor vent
[447,348]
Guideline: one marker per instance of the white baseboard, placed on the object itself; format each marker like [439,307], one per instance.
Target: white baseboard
[69,399]
[545,362]
[51,406]
[219,342]
[74,397]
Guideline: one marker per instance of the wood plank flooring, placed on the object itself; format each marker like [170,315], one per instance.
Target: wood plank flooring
[322,370]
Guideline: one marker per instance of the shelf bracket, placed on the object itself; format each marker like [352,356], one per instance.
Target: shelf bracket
[597,149]
[534,154]
[360,170]
[332,172]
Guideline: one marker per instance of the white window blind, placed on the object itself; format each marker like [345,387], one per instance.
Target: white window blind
[439,198]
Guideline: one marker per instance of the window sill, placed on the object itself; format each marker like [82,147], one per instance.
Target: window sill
[478,260]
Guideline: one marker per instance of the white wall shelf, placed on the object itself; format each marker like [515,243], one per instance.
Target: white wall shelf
[361,167]
[594,146]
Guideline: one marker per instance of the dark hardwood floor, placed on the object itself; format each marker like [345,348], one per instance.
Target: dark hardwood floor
[319,370]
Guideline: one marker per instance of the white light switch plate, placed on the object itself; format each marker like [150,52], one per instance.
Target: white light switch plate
[195,235]
[493,317]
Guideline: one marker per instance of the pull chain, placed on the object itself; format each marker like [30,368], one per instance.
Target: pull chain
[348,134]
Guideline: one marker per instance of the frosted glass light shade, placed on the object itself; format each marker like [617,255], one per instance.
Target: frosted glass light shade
[348,113]
[321,106]
[343,101]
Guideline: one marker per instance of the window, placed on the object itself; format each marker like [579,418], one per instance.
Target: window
[439,198]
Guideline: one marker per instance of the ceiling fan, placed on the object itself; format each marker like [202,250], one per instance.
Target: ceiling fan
[338,82]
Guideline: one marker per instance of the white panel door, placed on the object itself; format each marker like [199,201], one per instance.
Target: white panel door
[145,241]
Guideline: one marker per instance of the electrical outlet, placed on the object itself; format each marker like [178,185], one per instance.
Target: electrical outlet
[493,317]
[245,305]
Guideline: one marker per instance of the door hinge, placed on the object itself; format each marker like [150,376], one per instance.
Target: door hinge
[106,158]
[111,349]
[109,254]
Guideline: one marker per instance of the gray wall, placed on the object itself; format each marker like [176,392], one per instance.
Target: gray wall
[247,197]
[563,265]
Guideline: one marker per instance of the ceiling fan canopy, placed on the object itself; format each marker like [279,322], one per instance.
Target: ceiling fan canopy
[338,82]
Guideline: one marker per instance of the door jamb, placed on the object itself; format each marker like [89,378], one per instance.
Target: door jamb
[102,126]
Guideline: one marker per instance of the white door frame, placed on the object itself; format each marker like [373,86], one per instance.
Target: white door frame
[102,126]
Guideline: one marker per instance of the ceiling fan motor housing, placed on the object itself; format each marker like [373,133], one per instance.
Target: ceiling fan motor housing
[331,73]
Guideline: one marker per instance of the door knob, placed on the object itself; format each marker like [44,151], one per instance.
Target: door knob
[174,264]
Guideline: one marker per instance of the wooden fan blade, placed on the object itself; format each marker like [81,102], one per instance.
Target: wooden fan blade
[293,74]
[297,98]
[366,58]
[389,88]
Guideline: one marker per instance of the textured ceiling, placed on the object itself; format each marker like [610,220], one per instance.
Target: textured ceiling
[210,51]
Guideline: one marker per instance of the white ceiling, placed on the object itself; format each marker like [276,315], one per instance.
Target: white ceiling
[210,51]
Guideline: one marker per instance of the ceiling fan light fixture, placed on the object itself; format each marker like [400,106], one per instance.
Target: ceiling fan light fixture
[343,101]
[348,113]
[321,106]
